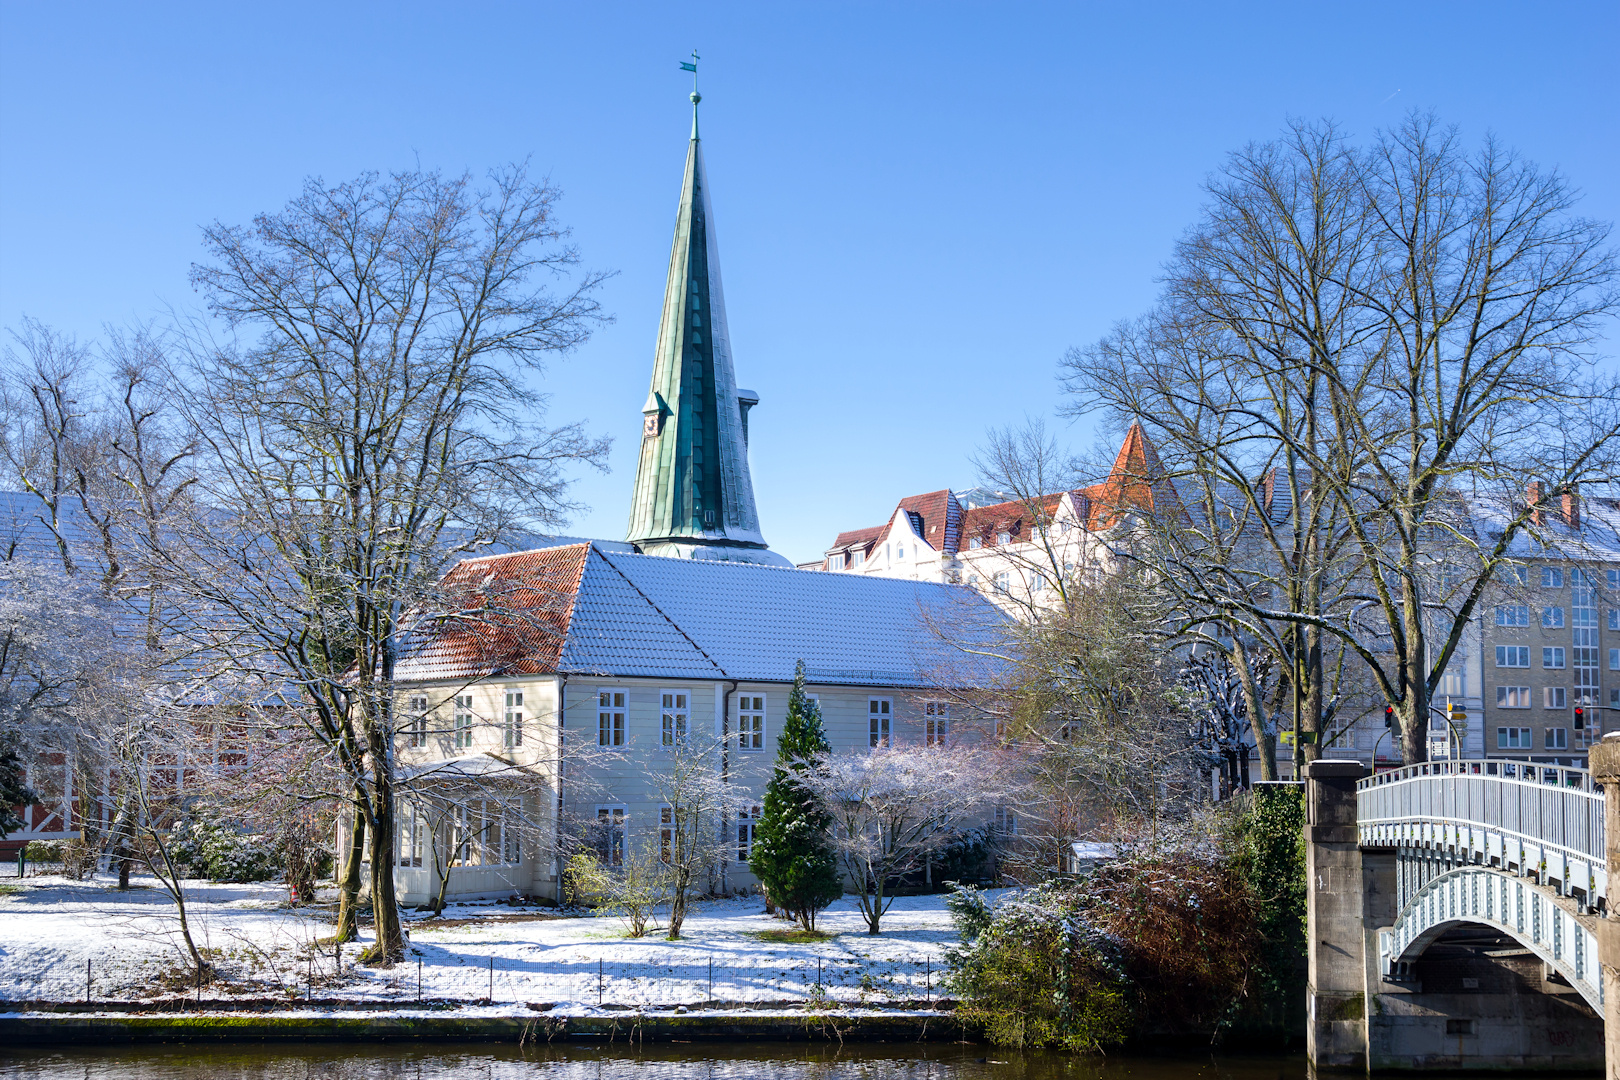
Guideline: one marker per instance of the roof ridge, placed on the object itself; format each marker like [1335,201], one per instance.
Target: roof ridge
[523,551]
[678,628]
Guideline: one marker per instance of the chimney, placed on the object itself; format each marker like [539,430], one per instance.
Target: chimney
[1532,496]
[1572,508]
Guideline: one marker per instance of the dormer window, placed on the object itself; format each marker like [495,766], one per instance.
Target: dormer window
[1003,538]
[975,542]
[835,562]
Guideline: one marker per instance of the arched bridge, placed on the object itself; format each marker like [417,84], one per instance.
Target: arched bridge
[1459,915]
[1513,846]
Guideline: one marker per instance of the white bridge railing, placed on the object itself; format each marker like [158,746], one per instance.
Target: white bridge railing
[1539,820]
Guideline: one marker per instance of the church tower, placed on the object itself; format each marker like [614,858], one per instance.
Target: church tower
[694,498]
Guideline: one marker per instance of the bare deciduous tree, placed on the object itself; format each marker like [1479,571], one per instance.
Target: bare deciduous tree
[371,415]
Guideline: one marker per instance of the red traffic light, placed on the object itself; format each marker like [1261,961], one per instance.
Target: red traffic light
[1389,716]
[1580,717]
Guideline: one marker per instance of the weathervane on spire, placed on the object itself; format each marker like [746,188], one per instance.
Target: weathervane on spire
[696,97]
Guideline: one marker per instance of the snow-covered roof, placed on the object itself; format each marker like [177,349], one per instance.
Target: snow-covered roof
[583,610]
[467,766]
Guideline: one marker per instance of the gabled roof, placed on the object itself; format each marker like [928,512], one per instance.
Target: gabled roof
[934,516]
[640,615]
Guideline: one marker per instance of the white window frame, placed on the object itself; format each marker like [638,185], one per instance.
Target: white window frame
[674,716]
[462,720]
[416,715]
[936,723]
[835,562]
[974,543]
[1512,697]
[879,722]
[1514,738]
[1512,614]
[1003,538]
[512,720]
[1552,657]
[1513,656]
[1554,697]
[751,709]
[1552,577]
[1552,617]
[616,815]
[747,819]
[611,715]
[410,833]
[1003,582]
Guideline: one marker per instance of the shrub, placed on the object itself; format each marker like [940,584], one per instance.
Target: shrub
[1039,972]
[210,847]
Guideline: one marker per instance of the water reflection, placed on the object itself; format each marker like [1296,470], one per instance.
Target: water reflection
[575,1061]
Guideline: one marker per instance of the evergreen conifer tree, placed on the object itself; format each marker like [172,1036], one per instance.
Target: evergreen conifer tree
[791,855]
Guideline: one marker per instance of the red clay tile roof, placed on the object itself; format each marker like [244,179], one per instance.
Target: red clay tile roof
[1131,483]
[501,615]
[987,522]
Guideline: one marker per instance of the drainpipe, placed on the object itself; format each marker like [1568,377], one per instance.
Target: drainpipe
[725,778]
[556,821]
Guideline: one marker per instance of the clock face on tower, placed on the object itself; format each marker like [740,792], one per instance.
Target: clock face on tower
[652,425]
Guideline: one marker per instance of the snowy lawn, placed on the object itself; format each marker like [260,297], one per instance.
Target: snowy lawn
[49,927]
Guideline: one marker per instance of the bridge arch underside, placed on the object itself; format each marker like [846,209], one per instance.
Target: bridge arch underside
[1488,909]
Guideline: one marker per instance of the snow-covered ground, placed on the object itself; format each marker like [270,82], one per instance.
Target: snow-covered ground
[49,927]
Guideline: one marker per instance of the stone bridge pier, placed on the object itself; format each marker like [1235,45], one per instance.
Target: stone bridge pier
[1456,916]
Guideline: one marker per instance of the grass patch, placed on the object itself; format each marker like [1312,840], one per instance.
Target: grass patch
[8,888]
[791,937]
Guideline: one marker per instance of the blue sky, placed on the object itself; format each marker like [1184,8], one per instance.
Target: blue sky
[920,206]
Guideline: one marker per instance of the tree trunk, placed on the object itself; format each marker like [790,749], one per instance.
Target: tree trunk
[348,923]
[389,947]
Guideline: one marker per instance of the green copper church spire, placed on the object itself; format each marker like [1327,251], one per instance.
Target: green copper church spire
[694,497]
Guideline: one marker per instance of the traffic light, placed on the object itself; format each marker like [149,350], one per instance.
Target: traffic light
[1389,717]
[1580,718]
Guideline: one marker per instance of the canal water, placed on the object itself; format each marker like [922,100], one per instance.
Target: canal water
[574,1061]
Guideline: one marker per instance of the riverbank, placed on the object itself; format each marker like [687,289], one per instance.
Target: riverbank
[64,941]
[45,1024]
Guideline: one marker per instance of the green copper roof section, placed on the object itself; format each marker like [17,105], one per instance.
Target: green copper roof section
[693,493]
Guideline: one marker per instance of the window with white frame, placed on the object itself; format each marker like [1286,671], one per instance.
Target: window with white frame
[878,716]
[750,722]
[1454,683]
[512,720]
[1519,574]
[676,710]
[747,818]
[1038,583]
[835,562]
[1512,697]
[1554,697]
[1004,582]
[410,827]
[1003,538]
[1513,738]
[1557,738]
[973,581]
[1552,657]
[512,831]
[610,710]
[975,542]
[1614,618]
[1552,577]
[936,722]
[416,721]
[610,834]
[899,552]
[666,832]
[1512,615]
[1614,659]
[1513,656]
[1552,618]
[463,721]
